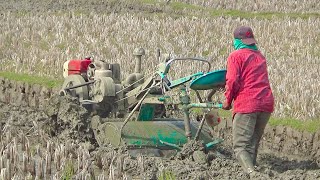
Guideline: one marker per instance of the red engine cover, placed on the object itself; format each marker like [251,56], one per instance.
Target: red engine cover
[78,66]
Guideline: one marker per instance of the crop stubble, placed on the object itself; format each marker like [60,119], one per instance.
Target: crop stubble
[40,44]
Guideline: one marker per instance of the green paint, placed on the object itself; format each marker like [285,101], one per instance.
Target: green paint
[164,98]
[151,133]
[171,137]
[146,112]
[162,70]
[166,69]
[209,80]
[212,144]
[183,80]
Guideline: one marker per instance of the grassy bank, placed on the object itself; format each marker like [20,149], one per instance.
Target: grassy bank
[30,79]
[312,125]
[172,9]
[194,10]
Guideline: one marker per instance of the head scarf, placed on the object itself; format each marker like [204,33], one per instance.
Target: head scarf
[238,44]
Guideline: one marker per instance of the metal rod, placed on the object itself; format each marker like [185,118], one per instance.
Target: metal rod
[185,100]
[148,75]
[204,105]
[190,58]
[212,92]
[198,96]
[134,94]
[80,85]
[200,128]
[170,144]
[209,97]
[187,123]
[137,68]
[202,120]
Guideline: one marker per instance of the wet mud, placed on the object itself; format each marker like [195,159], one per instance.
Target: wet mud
[60,135]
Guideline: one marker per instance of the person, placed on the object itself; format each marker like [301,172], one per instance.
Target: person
[248,88]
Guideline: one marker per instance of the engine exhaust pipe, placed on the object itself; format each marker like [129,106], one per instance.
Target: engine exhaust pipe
[138,53]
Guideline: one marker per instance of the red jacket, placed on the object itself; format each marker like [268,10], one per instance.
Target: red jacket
[248,83]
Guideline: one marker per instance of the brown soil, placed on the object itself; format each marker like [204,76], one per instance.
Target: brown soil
[62,133]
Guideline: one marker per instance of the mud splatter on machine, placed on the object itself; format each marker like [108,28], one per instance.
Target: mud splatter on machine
[134,111]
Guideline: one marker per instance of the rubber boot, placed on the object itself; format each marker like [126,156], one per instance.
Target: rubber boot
[255,164]
[254,159]
[246,161]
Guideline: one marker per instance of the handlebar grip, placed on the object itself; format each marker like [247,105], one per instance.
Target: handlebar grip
[219,105]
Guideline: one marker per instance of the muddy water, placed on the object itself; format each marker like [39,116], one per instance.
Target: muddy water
[64,122]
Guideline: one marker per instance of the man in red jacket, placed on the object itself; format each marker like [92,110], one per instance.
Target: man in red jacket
[248,88]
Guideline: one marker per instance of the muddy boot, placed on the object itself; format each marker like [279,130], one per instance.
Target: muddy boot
[254,159]
[245,161]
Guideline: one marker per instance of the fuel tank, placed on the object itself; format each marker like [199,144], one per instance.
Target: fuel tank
[77,66]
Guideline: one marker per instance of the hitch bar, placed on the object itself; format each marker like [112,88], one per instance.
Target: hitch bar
[80,85]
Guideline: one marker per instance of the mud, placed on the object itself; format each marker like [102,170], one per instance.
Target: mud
[68,120]
[61,130]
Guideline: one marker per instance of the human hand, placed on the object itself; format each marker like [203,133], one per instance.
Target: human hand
[226,106]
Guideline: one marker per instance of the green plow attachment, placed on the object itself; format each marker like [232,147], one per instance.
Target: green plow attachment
[162,134]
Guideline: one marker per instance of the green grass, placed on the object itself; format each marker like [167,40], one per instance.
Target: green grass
[300,125]
[179,9]
[152,2]
[309,125]
[182,6]
[224,113]
[192,10]
[68,171]
[260,15]
[167,175]
[44,81]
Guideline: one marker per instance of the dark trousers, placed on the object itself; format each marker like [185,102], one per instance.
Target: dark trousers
[247,131]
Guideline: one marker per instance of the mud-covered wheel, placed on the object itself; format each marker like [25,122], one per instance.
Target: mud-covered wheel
[99,136]
[81,92]
[99,130]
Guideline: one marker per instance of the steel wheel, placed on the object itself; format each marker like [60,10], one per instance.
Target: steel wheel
[81,92]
